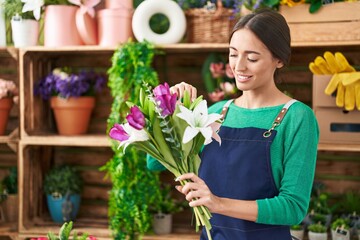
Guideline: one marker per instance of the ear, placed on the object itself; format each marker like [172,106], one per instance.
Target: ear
[279,64]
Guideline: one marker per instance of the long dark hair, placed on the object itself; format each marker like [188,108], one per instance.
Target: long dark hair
[271,28]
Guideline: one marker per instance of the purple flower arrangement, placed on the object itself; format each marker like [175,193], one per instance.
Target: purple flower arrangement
[64,84]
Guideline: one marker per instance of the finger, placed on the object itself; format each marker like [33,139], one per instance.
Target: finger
[193,94]
[189,176]
[179,188]
[188,187]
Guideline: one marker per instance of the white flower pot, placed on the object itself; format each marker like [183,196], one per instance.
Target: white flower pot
[162,223]
[317,236]
[299,234]
[2,27]
[335,236]
[25,32]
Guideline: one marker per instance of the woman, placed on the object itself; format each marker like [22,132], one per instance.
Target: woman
[258,182]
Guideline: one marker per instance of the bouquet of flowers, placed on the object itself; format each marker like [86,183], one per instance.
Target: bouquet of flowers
[172,133]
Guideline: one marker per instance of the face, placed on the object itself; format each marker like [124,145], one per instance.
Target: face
[251,62]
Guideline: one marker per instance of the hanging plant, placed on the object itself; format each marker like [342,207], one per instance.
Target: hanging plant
[134,187]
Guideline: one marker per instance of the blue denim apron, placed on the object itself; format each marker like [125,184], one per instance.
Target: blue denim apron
[241,169]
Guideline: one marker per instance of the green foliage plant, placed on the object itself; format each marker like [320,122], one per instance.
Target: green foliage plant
[317,228]
[10,182]
[14,7]
[341,223]
[65,232]
[62,180]
[134,187]
[296,227]
[56,2]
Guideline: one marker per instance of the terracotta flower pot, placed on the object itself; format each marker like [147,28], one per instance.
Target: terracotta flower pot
[5,107]
[72,115]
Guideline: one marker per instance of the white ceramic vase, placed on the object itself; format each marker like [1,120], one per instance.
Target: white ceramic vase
[299,234]
[317,236]
[2,27]
[25,32]
[162,223]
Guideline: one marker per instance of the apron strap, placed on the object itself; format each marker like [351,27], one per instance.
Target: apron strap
[279,117]
[225,109]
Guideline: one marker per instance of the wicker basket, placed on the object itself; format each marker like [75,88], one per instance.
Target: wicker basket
[204,26]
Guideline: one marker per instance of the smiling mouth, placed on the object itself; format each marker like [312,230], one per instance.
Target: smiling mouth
[243,78]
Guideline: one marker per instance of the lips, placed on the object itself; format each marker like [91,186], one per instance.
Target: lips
[243,78]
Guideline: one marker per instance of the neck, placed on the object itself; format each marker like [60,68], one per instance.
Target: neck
[251,100]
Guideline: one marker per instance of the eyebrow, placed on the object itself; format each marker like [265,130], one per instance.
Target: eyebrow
[248,51]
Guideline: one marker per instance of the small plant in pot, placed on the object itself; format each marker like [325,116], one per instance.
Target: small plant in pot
[166,206]
[63,186]
[72,97]
[10,195]
[24,16]
[8,95]
[297,231]
[317,231]
[340,229]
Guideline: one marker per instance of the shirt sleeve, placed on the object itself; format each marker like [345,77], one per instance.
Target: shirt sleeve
[153,164]
[299,160]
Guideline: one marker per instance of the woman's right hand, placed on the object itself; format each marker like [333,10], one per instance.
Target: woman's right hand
[180,88]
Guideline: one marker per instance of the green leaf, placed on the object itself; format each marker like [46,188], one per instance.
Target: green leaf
[52,236]
[186,99]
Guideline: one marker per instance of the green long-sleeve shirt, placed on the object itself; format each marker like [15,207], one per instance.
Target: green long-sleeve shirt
[293,157]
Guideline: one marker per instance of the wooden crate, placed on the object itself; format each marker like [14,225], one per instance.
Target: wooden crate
[336,125]
[36,161]
[36,64]
[337,23]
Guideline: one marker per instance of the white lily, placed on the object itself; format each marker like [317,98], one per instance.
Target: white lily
[200,121]
[134,135]
[33,5]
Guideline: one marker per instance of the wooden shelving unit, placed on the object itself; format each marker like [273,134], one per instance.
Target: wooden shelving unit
[38,145]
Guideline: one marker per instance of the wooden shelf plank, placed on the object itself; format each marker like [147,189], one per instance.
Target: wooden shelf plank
[180,47]
[105,233]
[339,147]
[104,141]
[57,140]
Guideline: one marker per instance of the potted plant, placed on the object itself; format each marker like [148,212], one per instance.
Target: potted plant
[320,210]
[10,185]
[63,186]
[164,209]
[8,95]
[297,231]
[72,97]
[24,16]
[340,229]
[317,231]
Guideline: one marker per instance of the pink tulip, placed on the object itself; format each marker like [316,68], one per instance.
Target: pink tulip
[217,95]
[117,132]
[217,69]
[136,118]
[165,100]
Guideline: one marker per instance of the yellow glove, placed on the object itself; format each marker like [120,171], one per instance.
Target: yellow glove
[348,89]
[343,63]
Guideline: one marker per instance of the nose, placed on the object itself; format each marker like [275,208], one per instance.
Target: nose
[240,64]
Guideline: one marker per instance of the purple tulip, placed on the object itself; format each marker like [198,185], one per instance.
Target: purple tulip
[136,118]
[117,132]
[167,101]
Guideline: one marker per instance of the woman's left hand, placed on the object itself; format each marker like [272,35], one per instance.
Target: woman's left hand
[198,193]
